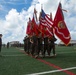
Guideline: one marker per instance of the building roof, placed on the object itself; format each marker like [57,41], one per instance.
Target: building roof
[71,42]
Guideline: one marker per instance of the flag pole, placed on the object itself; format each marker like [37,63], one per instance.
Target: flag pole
[41,6]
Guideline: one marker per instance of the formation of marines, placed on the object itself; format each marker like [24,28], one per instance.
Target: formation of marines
[39,46]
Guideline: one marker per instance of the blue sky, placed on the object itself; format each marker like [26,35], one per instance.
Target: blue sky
[14,16]
[19,5]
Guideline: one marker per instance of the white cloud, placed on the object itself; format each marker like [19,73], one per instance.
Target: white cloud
[13,26]
[73,35]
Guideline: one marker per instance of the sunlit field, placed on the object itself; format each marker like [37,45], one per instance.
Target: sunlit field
[14,61]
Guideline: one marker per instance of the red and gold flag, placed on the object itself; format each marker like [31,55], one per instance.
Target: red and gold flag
[60,27]
[34,26]
[28,30]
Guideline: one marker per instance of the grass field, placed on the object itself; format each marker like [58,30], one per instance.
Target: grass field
[14,61]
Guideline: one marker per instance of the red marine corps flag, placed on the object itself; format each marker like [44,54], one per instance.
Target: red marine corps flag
[34,23]
[60,27]
[28,30]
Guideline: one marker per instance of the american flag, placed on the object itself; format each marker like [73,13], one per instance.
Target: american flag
[47,23]
[46,19]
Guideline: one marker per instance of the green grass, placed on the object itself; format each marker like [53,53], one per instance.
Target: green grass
[15,62]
